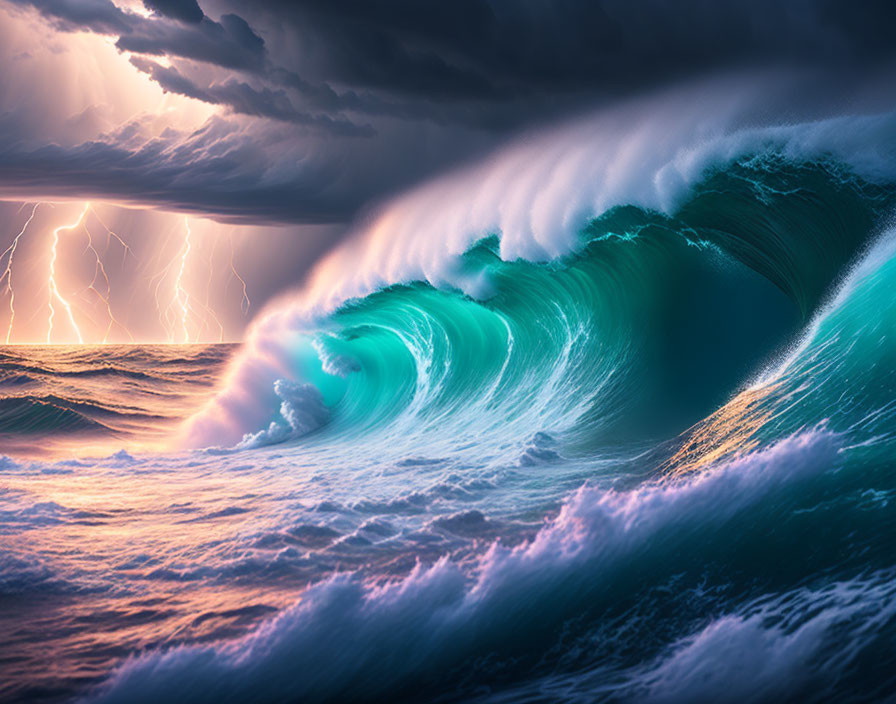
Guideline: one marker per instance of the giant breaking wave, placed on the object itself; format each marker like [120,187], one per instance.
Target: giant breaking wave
[608,416]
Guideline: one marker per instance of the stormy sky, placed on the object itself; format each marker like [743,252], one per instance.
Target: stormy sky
[310,111]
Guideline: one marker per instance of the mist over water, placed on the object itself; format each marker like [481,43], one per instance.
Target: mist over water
[608,416]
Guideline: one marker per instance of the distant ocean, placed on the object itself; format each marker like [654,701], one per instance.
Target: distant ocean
[77,396]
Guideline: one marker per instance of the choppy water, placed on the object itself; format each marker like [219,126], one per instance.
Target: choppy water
[657,465]
[84,398]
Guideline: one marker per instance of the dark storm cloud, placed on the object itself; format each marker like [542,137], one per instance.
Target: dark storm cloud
[472,49]
[261,173]
[230,43]
[216,170]
[433,81]
[486,52]
[242,98]
[183,10]
[96,15]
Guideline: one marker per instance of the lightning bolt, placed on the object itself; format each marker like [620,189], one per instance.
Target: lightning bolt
[181,296]
[244,302]
[185,317]
[208,294]
[183,312]
[99,269]
[110,234]
[7,273]
[159,279]
[54,288]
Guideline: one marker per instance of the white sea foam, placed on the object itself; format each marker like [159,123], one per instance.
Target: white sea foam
[345,638]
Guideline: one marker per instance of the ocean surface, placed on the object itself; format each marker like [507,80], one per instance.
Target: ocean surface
[645,456]
[83,398]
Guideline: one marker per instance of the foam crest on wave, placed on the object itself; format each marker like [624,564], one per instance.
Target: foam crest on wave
[348,639]
[802,645]
[538,193]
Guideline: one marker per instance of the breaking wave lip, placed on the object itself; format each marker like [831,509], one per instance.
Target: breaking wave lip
[560,338]
[531,202]
[348,639]
[537,194]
